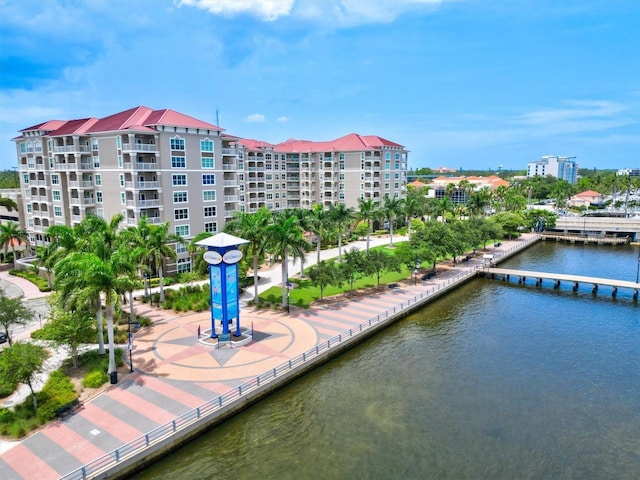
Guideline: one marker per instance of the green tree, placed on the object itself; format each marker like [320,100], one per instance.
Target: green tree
[13,312]
[354,266]
[92,273]
[159,248]
[368,211]
[251,227]
[285,237]
[319,225]
[12,235]
[21,362]
[8,203]
[379,262]
[511,222]
[69,329]
[323,274]
[392,209]
[341,216]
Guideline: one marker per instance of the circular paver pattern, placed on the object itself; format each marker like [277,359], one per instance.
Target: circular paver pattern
[170,348]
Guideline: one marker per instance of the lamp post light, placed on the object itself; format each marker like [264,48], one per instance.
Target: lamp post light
[40,316]
[638,270]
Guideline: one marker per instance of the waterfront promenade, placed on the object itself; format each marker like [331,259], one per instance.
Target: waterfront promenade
[174,374]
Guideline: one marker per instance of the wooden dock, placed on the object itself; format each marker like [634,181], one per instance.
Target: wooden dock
[558,278]
[600,240]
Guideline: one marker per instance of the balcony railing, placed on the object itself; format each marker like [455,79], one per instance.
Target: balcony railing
[139,147]
[141,165]
[230,151]
[143,203]
[231,198]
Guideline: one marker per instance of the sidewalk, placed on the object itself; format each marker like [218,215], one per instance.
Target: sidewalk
[174,373]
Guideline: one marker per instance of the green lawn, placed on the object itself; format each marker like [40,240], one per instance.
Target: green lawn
[304,293]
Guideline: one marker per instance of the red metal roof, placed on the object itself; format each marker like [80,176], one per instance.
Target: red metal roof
[46,126]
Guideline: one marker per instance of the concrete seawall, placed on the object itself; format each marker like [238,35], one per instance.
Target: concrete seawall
[135,455]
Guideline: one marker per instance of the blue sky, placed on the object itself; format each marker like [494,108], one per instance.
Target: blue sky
[462,83]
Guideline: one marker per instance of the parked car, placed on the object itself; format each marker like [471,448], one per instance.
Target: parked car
[3,338]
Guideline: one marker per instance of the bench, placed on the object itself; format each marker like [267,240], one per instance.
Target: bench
[428,275]
[68,409]
[497,244]
[393,286]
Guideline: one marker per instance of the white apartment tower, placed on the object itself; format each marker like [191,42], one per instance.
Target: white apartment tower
[563,168]
[173,168]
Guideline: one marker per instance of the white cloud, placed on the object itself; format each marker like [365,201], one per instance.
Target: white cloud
[341,13]
[265,9]
[256,117]
[282,119]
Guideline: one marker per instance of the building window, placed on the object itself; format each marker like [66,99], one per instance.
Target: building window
[177,143]
[29,208]
[118,142]
[123,198]
[94,144]
[206,145]
[341,157]
[57,211]
[56,195]
[96,162]
[55,179]
[387,176]
[208,162]
[182,230]
[98,197]
[209,211]
[178,180]
[181,248]
[100,212]
[120,161]
[183,265]
[211,227]
[180,197]
[98,180]
[208,195]
[121,180]
[181,214]
[269,196]
[23,148]
[208,179]
[386,186]
[178,162]
[25,178]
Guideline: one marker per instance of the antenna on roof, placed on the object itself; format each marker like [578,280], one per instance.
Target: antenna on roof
[217,118]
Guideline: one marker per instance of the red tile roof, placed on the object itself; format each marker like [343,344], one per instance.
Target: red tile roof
[349,143]
[47,126]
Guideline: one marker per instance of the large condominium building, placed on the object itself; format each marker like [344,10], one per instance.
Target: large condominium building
[563,168]
[173,168]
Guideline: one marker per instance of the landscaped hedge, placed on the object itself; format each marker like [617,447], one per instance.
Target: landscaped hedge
[33,277]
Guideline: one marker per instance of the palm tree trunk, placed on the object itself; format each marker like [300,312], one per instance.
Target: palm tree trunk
[368,234]
[285,277]
[112,353]
[160,278]
[100,324]
[255,278]
[390,232]
[132,312]
[15,259]
[319,248]
[302,266]
[340,244]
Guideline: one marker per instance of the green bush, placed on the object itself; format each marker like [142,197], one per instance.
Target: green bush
[57,392]
[6,387]
[95,379]
[33,277]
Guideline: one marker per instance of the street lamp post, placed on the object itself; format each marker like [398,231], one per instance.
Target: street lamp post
[638,270]
[130,344]
[40,316]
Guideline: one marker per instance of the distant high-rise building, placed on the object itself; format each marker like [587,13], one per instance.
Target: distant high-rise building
[563,168]
[173,168]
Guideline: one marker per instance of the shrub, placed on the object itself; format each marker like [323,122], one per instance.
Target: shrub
[57,392]
[33,277]
[95,379]
[6,387]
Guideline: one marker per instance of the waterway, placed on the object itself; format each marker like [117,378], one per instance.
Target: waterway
[494,381]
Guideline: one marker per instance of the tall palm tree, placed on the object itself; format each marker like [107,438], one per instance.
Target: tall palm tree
[319,225]
[88,271]
[392,209]
[11,235]
[340,215]
[284,236]
[138,238]
[368,210]
[413,206]
[251,227]
[159,248]
[91,236]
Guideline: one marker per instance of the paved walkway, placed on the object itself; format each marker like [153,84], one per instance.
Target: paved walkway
[174,374]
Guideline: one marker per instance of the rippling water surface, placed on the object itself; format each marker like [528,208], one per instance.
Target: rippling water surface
[494,381]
